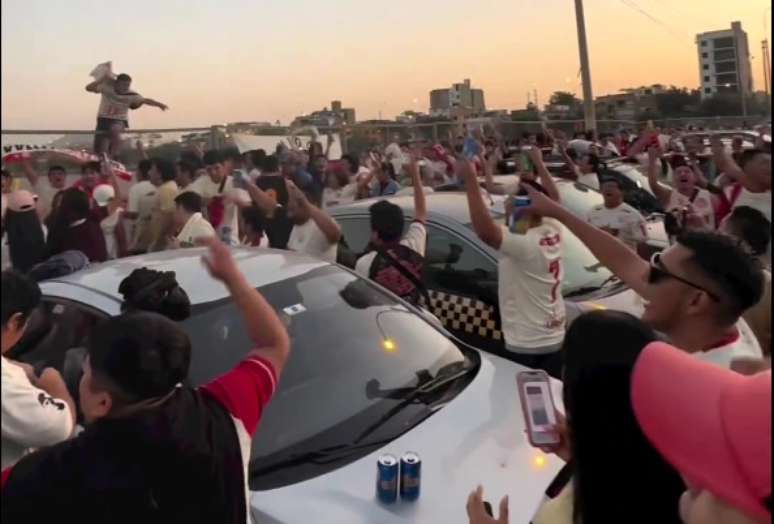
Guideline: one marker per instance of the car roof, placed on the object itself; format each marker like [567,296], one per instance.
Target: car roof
[260,266]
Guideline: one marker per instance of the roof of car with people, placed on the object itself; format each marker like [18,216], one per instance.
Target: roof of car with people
[260,267]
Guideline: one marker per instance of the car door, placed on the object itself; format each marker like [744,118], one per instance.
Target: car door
[462,282]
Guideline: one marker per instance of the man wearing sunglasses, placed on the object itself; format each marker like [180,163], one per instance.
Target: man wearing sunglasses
[695,292]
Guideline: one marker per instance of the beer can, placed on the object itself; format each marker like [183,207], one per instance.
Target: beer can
[410,475]
[387,467]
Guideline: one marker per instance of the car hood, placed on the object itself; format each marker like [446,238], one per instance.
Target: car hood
[478,438]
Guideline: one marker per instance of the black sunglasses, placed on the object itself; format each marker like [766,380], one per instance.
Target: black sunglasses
[659,273]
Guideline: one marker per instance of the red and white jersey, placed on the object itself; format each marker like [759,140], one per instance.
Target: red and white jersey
[626,222]
[702,205]
[530,287]
[741,344]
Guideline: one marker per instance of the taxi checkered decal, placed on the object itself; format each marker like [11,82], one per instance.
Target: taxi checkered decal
[466,314]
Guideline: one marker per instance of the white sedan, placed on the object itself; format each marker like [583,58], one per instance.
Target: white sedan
[349,393]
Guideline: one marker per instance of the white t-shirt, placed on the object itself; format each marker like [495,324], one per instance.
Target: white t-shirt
[702,205]
[590,179]
[308,238]
[142,196]
[115,106]
[339,197]
[624,219]
[108,225]
[744,345]
[196,227]
[414,239]
[759,201]
[530,287]
[31,418]
[207,189]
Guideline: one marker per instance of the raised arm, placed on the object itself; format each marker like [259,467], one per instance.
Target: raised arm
[329,227]
[420,202]
[654,167]
[483,223]
[611,252]
[489,169]
[261,198]
[154,103]
[725,163]
[266,330]
[107,170]
[546,180]
[94,87]
[32,176]
[328,145]
[574,169]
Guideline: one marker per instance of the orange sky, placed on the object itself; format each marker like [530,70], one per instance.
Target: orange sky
[215,61]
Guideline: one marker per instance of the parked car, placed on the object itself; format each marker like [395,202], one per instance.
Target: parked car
[368,374]
[461,272]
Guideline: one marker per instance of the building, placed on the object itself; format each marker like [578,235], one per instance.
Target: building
[629,104]
[458,98]
[335,116]
[724,62]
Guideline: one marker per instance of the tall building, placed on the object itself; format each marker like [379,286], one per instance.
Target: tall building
[459,97]
[724,62]
[336,116]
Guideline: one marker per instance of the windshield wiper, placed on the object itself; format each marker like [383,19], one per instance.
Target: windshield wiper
[590,289]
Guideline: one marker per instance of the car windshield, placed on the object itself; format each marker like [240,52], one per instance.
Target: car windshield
[356,353]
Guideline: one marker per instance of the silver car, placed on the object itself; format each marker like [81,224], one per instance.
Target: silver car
[349,393]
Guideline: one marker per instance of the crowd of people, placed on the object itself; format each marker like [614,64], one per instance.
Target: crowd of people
[692,418]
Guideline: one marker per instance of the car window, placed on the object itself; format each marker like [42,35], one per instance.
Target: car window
[355,236]
[453,265]
[350,341]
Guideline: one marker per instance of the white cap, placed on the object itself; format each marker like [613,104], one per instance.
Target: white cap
[103,193]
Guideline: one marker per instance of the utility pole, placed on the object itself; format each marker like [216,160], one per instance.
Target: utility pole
[588,96]
[766,66]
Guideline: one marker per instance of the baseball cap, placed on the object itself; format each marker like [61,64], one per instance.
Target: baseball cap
[103,193]
[712,424]
[21,200]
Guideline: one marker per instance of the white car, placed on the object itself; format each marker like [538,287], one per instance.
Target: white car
[348,394]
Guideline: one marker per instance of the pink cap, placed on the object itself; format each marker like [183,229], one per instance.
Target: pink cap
[712,424]
[22,200]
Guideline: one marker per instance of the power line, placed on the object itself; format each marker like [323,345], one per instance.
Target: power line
[630,4]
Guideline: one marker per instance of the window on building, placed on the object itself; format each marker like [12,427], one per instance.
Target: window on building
[724,54]
[704,43]
[725,67]
[723,42]
[726,79]
[708,90]
[705,55]
[705,67]
[706,79]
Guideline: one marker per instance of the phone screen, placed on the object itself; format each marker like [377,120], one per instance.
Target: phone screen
[526,163]
[539,411]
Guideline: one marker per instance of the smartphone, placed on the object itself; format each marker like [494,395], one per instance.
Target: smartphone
[518,203]
[525,162]
[470,148]
[239,180]
[537,404]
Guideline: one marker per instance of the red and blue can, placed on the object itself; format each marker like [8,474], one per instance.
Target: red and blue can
[410,476]
[387,467]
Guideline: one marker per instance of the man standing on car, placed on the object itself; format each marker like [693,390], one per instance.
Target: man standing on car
[397,260]
[113,115]
[36,410]
[155,450]
[530,278]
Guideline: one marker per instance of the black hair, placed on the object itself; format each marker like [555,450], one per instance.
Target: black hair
[233,154]
[123,77]
[190,201]
[257,157]
[92,165]
[187,166]
[593,159]
[26,243]
[143,168]
[212,157]
[676,161]
[6,173]
[610,180]
[139,356]
[534,185]
[254,217]
[389,169]
[752,227]
[271,164]
[387,221]
[73,206]
[600,351]
[20,295]
[191,159]
[165,168]
[55,168]
[352,162]
[724,261]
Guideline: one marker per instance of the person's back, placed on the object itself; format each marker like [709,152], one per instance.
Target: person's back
[75,228]
[154,450]
[25,234]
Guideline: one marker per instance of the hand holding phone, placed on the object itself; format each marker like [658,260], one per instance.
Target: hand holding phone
[538,407]
[470,148]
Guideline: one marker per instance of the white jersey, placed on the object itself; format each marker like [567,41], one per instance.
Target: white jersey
[308,238]
[207,189]
[530,287]
[702,205]
[623,221]
[196,227]
[742,345]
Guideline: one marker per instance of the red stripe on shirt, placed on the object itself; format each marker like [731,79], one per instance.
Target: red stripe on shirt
[245,390]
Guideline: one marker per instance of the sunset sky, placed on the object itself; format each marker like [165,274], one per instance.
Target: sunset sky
[215,61]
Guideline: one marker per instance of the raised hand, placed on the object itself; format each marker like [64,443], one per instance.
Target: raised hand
[477,513]
[218,260]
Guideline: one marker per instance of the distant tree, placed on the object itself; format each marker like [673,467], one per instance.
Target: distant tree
[677,101]
[722,105]
[564,98]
